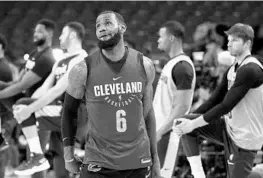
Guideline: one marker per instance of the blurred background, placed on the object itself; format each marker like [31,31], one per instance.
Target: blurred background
[205,43]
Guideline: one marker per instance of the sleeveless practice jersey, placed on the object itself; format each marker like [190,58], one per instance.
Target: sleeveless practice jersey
[244,123]
[63,66]
[117,137]
[166,90]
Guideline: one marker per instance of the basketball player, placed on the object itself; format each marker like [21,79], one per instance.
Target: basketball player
[117,84]
[175,89]
[233,114]
[36,70]
[47,108]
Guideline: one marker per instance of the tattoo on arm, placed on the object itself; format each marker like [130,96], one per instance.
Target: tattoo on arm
[77,80]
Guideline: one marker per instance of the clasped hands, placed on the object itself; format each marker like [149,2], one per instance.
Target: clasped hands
[21,112]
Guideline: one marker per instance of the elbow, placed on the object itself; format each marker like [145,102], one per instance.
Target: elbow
[225,108]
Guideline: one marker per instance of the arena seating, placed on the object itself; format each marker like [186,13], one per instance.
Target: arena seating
[17,19]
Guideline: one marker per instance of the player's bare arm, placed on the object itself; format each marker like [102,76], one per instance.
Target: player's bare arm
[150,116]
[74,94]
[182,105]
[183,77]
[50,93]
[147,104]
[28,80]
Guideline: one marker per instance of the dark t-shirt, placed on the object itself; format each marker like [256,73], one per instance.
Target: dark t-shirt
[183,75]
[5,71]
[41,64]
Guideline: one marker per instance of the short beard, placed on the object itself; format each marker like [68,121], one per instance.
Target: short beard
[109,44]
[40,42]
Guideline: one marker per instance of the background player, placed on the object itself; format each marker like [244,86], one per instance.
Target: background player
[47,108]
[239,99]
[33,74]
[175,89]
[118,90]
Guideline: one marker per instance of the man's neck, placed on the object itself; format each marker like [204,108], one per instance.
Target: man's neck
[116,53]
[74,48]
[175,51]
[241,57]
[44,46]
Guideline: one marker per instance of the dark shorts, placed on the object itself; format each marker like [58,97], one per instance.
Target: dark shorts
[239,161]
[92,171]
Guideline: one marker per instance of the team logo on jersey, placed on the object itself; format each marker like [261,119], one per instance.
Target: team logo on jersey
[119,94]
[61,70]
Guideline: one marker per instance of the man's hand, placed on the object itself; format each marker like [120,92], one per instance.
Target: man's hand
[21,112]
[156,170]
[73,166]
[185,126]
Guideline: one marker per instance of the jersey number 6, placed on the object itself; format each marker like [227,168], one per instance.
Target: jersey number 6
[121,123]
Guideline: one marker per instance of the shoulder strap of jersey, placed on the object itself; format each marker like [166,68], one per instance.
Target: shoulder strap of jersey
[139,59]
[251,59]
[89,59]
[67,59]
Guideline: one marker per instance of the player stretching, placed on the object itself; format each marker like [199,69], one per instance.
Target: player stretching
[233,114]
[175,89]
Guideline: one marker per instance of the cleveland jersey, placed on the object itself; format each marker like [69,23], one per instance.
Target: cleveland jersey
[117,137]
[244,123]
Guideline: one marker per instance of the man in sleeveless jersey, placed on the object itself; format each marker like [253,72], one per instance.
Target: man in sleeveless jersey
[232,116]
[175,89]
[117,84]
[46,109]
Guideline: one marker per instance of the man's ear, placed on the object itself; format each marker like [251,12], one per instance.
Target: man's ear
[122,28]
[172,38]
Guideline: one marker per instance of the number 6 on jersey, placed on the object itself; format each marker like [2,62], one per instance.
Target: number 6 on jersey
[121,124]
